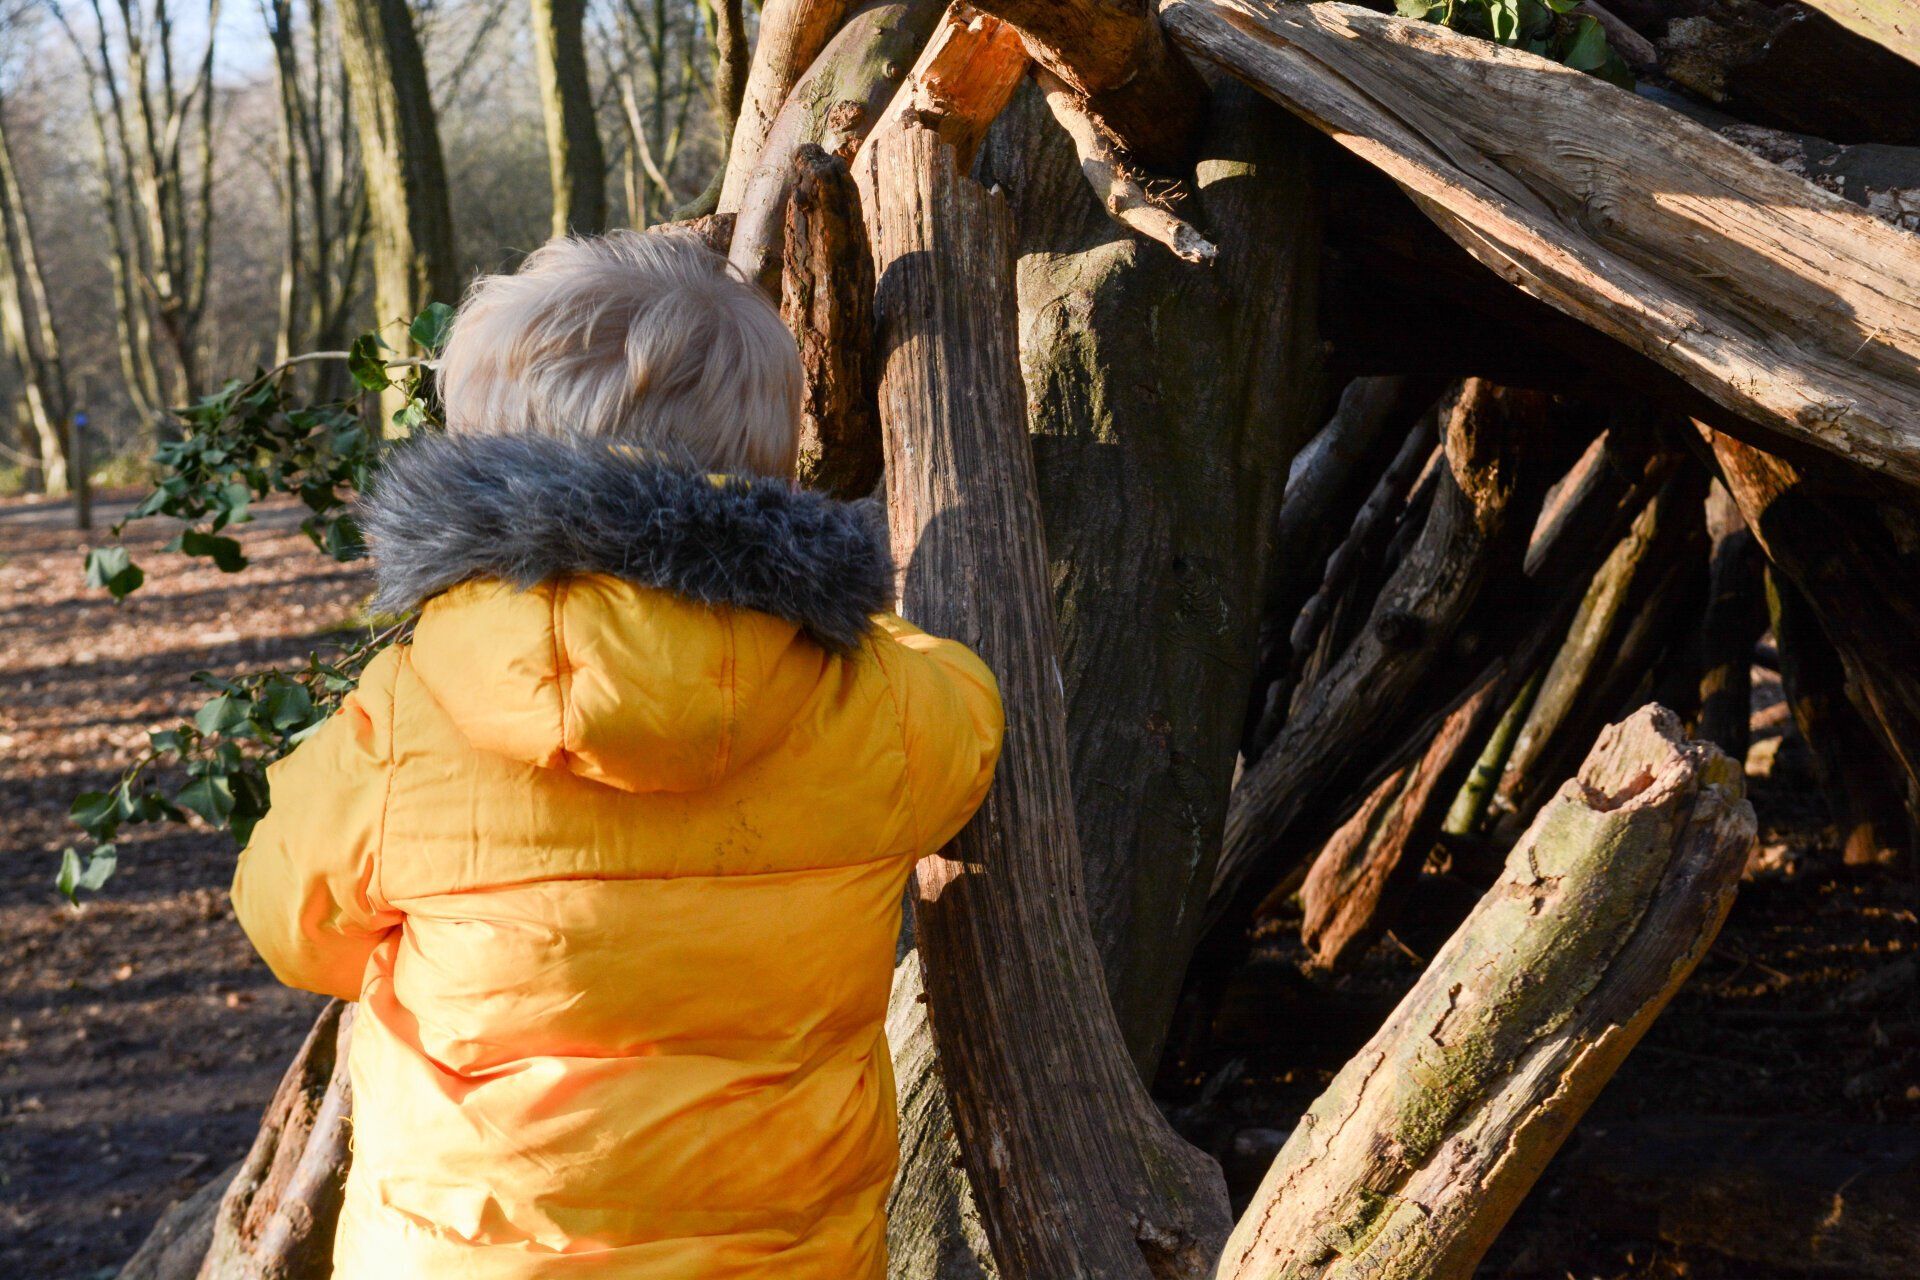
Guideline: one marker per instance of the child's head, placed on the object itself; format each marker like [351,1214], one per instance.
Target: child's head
[644,338]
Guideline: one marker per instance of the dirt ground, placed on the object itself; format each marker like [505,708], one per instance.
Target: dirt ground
[140,1038]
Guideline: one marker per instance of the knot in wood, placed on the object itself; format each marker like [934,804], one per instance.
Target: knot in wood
[1399,629]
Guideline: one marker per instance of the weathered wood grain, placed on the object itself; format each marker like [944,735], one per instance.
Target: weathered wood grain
[792,34]
[1780,301]
[1419,1151]
[1074,1170]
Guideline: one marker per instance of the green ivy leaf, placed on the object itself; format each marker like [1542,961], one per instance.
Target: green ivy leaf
[287,705]
[220,715]
[1588,50]
[224,552]
[365,363]
[90,876]
[93,810]
[112,568]
[210,796]
[430,328]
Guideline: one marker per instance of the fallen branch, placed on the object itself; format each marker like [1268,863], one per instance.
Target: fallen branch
[1424,1144]
[1117,187]
[1781,302]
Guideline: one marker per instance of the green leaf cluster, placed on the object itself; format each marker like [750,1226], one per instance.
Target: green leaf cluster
[1550,28]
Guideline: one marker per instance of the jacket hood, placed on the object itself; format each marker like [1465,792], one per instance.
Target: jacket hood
[524,509]
[593,609]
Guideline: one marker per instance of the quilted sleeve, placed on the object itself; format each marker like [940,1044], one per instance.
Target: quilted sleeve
[951,719]
[306,890]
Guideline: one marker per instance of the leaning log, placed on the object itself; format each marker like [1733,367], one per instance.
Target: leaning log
[826,300]
[958,86]
[1736,617]
[1783,303]
[1424,1144]
[1074,1170]
[792,34]
[1855,556]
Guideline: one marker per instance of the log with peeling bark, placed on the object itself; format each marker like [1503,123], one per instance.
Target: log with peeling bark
[1360,875]
[1477,528]
[826,299]
[958,86]
[1074,1170]
[1424,1144]
[1736,617]
[1135,87]
[832,106]
[792,34]
[1855,555]
[1793,309]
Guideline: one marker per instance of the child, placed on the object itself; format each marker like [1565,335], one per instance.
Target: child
[611,854]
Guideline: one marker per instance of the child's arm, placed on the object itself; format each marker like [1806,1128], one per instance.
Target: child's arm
[950,714]
[306,890]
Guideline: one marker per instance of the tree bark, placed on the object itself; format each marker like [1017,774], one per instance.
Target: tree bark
[413,253]
[1074,1170]
[1135,86]
[27,329]
[1626,230]
[1160,470]
[1855,556]
[1419,1151]
[826,299]
[576,162]
[792,34]
[276,1220]
[958,86]
[832,106]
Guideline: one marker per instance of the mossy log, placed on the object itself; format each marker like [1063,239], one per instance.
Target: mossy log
[1424,1144]
[1631,230]
[1074,1170]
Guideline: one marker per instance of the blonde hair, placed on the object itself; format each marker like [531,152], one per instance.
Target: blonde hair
[645,338]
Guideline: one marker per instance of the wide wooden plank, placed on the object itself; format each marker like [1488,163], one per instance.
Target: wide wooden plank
[1787,305]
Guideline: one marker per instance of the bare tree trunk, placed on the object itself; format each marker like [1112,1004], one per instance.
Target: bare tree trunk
[413,256]
[576,162]
[27,327]
[1424,1144]
[1074,1170]
[792,34]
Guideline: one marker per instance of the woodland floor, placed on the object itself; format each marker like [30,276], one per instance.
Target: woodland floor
[139,1038]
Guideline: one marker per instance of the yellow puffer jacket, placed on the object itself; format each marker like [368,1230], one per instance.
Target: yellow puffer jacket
[614,865]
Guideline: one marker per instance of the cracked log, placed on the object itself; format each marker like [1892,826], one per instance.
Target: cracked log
[826,300]
[961,82]
[1074,1170]
[1790,307]
[1424,1144]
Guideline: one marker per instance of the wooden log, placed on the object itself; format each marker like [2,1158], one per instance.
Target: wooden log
[792,34]
[826,300]
[178,1243]
[1655,231]
[959,85]
[1736,617]
[1858,782]
[833,106]
[1159,503]
[1418,1152]
[1477,528]
[1891,24]
[1855,556]
[276,1220]
[1136,87]
[1578,691]
[1791,65]
[1360,876]
[1074,1169]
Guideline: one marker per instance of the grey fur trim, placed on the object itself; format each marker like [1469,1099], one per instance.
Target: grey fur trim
[526,508]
